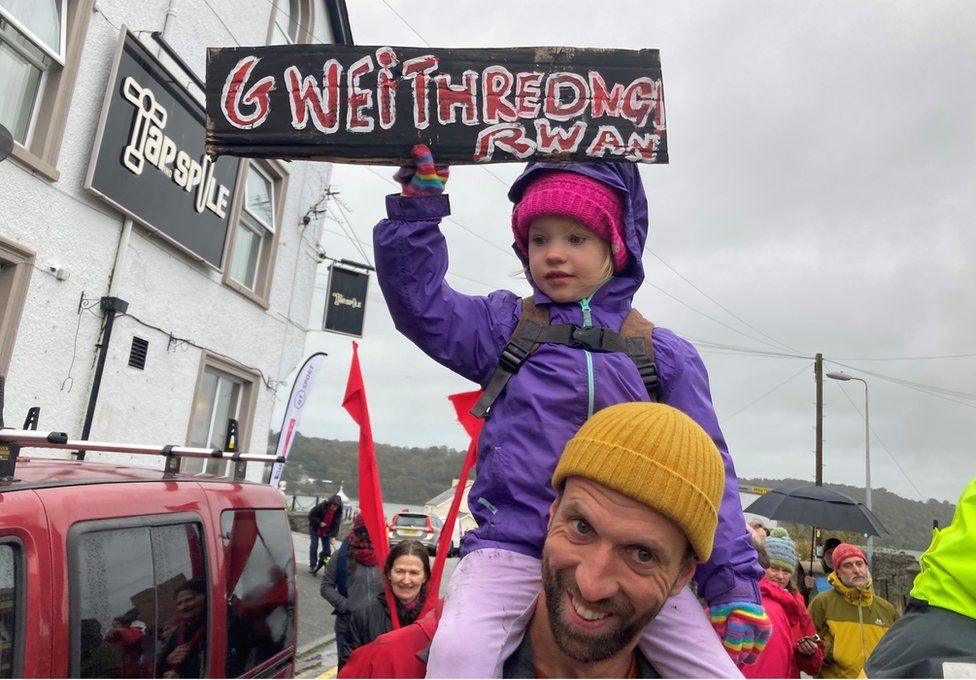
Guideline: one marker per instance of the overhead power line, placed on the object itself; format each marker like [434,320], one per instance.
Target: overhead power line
[883,445]
[931,390]
[720,305]
[763,396]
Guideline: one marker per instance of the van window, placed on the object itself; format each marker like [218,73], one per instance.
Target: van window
[139,598]
[11,609]
[260,592]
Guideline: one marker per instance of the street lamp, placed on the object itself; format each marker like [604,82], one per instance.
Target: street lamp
[867,451]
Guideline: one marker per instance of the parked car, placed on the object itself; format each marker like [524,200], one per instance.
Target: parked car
[455,538]
[418,526]
[111,571]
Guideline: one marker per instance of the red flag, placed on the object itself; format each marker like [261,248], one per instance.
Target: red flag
[463,403]
[370,496]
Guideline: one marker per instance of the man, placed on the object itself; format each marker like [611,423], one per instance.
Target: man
[819,584]
[850,618]
[324,521]
[936,637]
[638,489]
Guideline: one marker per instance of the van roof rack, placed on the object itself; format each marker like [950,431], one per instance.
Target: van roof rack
[12,441]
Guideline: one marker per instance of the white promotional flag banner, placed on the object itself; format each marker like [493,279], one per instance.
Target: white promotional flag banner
[293,414]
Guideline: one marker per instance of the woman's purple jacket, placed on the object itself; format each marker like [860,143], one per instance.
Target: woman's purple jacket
[558,387]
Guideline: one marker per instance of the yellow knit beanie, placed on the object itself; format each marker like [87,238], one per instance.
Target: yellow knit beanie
[656,455]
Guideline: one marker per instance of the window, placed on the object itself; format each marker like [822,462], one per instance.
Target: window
[137,593]
[291,22]
[224,391]
[255,227]
[260,601]
[16,267]
[40,47]
[11,610]
[255,232]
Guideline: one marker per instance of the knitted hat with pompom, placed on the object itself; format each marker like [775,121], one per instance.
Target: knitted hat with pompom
[781,550]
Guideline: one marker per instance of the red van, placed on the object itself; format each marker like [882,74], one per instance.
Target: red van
[109,571]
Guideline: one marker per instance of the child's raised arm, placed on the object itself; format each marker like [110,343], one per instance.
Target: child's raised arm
[465,333]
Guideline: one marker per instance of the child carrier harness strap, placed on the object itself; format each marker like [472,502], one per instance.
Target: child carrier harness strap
[533,329]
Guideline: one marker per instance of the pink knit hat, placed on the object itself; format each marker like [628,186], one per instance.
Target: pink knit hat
[590,202]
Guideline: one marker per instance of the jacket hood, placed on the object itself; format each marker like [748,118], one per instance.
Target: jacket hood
[335,500]
[791,606]
[948,576]
[625,178]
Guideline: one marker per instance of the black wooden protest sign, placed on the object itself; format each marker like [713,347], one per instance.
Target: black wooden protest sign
[358,104]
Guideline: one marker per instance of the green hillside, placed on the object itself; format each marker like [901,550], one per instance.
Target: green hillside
[413,475]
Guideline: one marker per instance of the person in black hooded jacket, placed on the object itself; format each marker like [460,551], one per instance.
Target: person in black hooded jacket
[406,571]
[323,525]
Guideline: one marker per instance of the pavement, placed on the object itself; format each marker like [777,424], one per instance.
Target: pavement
[316,656]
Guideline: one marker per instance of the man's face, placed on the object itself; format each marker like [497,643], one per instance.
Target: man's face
[853,572]
[608,565]
[190,604]
[828,560]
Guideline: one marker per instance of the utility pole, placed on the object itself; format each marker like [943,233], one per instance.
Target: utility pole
[818,373]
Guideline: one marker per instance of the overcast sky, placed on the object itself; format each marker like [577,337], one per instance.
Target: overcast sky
[820,197]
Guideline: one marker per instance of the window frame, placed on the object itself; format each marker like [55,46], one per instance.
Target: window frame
[22,260]
[20,602]
[58,57]
[267,257]
[53,102]
[78,529]
[306,28]
[250,386]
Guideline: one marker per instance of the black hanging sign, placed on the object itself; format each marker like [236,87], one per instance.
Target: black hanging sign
[345,306]
[357,104]
[149,161]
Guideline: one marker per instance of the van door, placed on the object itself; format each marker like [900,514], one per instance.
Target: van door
[25,577]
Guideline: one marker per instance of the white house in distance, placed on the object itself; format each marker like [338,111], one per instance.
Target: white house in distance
[440,504]
[133,269]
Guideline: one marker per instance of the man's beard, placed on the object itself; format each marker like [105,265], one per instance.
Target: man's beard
[583,647]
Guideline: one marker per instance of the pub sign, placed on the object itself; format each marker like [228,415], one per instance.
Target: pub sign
[149,162]
[345,305]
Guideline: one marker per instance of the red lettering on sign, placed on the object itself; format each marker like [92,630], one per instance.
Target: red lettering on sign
[451,96]
[607,140]
[386,86]
[358,99]
[558,140]
[659,122]
[496,86]
[528,89]
[303,94]
[508,137]
[554,106]
[604,103]
[417,69]
[639,101]
[643,147]
[257,97]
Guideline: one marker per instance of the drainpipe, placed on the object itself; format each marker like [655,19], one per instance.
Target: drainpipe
[111,306]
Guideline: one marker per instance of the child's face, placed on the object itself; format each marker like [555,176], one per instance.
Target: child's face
[568,262]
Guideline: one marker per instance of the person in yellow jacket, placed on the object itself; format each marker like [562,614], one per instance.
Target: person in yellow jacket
[937,636]
[850,618]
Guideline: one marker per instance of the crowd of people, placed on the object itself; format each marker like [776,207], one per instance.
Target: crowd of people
[610,539]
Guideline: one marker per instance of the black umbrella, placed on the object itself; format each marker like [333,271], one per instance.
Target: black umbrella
[817,506]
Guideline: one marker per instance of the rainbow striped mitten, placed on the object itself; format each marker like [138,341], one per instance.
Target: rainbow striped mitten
[422,178]
[744,629]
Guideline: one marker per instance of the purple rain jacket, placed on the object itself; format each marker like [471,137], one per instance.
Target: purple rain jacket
[558,387]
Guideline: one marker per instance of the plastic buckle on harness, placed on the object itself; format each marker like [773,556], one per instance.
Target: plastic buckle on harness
[512,357]
[588,337]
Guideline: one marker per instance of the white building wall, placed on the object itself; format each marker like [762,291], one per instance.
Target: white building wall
[53,358]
